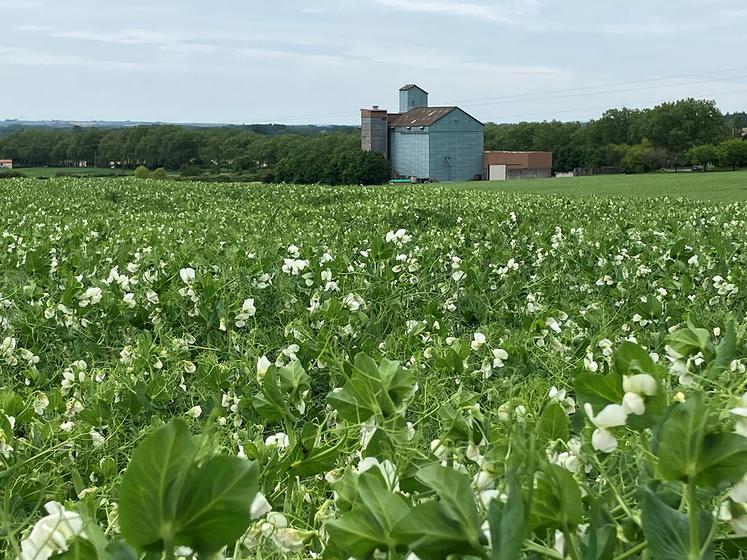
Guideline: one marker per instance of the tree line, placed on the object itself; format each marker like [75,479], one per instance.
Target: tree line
[634,140]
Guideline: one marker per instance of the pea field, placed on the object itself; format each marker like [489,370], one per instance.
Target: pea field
[403,372]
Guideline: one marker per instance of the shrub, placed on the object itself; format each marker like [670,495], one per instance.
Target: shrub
[9,174]
[191,171]
[160,174]
[142,172]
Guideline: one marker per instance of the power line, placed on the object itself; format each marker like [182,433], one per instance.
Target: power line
[496,119]
[521,97]
[607,92]
[738,69]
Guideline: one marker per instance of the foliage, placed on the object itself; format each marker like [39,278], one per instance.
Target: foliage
[733,153]
[160,174]
[142,172]
[373,372]
[704,155]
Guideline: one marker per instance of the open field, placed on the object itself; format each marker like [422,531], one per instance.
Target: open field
[48,172]
[720,186]
[419,370]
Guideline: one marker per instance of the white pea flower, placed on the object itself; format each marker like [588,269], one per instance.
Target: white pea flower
[195,412]
[499,357]
[41,402]
[51,534]
[129,300]
[279,440]
[247,310]
[260,506]
[263,364]
[641,384]
[353,302]
[633,403]
[738,492]
[90,297]
[741,414]
[187,275]
[97,437]
[67,427]
[386,468]
[294,266]
[478,340]
[611,416]
[439,449]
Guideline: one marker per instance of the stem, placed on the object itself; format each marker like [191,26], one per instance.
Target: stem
[550,553]
[692,513]
[570,541]
[632,551]
[168,549]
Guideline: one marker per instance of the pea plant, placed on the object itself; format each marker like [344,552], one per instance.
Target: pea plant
[277,371]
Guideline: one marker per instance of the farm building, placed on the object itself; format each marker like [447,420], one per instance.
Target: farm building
[435,143]
[6,164]
[502,166]
[744,134]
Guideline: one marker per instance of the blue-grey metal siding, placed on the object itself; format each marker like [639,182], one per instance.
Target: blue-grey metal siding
[456,147]
[412,98]
[409,152]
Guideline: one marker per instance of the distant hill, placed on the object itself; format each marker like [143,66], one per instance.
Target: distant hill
[13,125]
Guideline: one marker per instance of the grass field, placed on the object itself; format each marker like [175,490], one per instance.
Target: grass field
[47,172]
[721,186]
[395,372]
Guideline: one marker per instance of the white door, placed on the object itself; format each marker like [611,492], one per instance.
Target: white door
[497,172]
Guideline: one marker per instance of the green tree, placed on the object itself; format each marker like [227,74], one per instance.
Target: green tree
[732,152]
[678,126]
[703,155]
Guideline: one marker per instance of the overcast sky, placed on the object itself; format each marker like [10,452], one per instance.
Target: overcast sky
[292,61]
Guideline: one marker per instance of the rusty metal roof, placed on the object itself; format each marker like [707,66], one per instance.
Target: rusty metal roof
[422,116]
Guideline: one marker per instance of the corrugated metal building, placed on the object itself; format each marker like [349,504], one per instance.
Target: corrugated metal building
[500,166]
[437,143]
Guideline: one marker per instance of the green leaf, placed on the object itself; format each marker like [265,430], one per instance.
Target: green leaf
[78,549]
[430,532]
[679,441]
[602,534]
[372,389]
[631,359]
[355,402]
[690,340]
[357,533]
[598,390]
[667,530]
[508,524]
[215,509]
[318,460]
[722,461]
[553,423]
[152,484]
[726,351]
[372,523]
[119,550]
[387,507]
[455,492]
[557,500]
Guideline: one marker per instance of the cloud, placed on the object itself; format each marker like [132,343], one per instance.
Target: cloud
[27,57]
[507,12]
[124,37]
[278,55]
[18,4]
[34,28]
